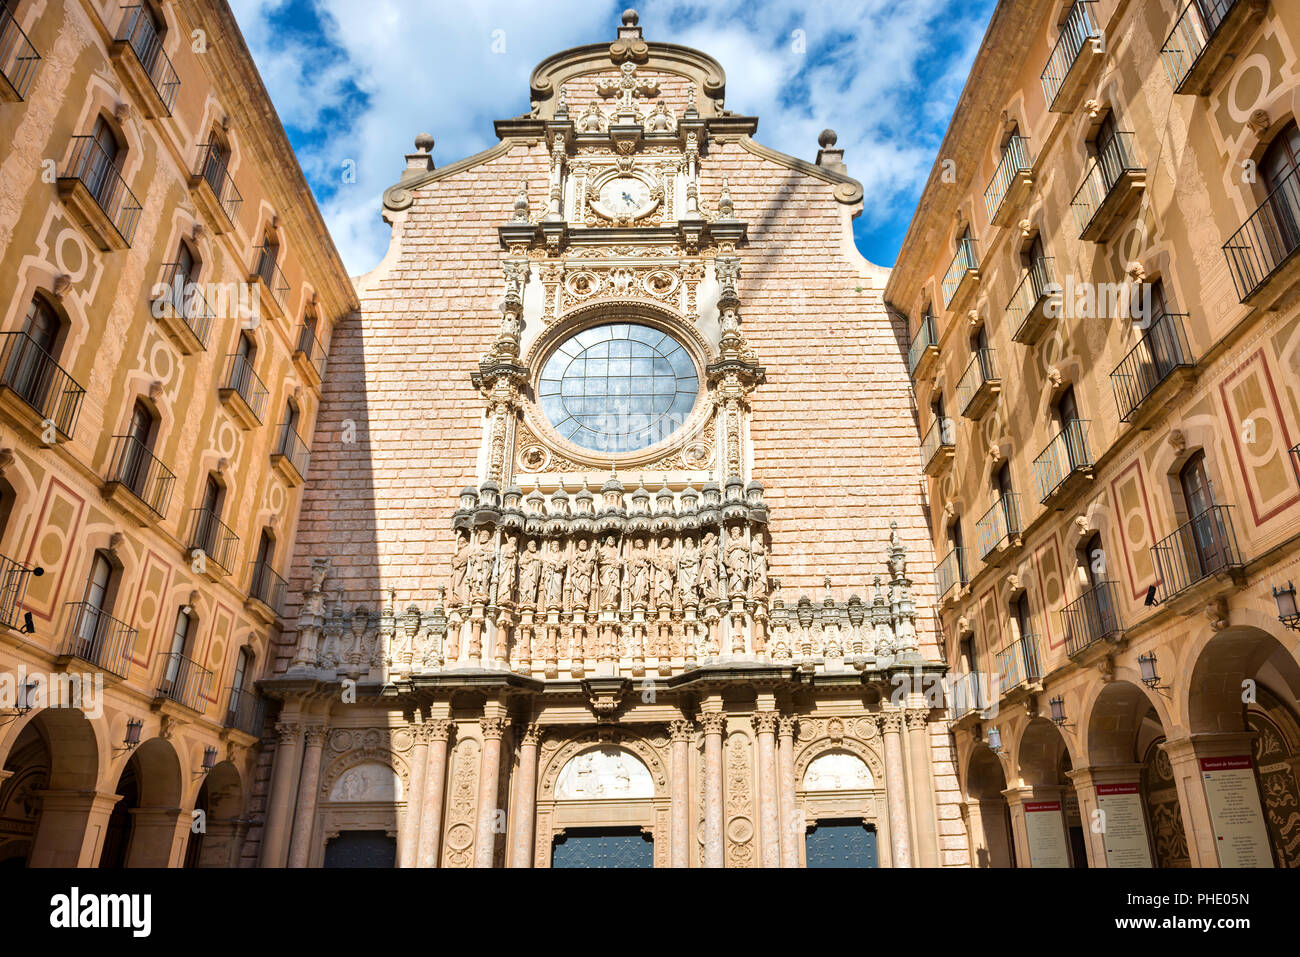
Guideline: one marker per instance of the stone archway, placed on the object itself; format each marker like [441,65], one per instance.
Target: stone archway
[1044,806]
[988,814]
[143,828]
[221,799]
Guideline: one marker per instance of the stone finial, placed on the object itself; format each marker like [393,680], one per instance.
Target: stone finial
[726,209]
[424,142]
[828,156]
[521,203]
[630,17]
[827,138]
[421,161]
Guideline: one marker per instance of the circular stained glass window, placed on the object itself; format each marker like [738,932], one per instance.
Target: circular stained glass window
[618,387]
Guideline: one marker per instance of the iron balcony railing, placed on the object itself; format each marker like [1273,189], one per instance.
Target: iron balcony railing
[213,538]
[241,379]
[1080,27]
[938,437]
[245,711]
[970,692]
[96,171]
[311,349]
[13,590]
[1267,239]
[1094,615]
[1115,157]
[32,374]
[951,572]
[212,167]
[926,336]
[137,29]
[292,447]
[1160,351]
[187,301]
[270,273]
[1019,663]
[267,587]
[184,681]
[1200,548]
[1192,33]
[18,58]
[1000,523]
[1030,294]
[97,638]
[138,470]
[963,261]
[1015,160]
[1066,454]
[980,371]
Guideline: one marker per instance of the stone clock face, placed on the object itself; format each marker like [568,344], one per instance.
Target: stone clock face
[626,197]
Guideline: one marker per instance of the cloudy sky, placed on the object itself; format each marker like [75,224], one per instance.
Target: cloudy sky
[355,80]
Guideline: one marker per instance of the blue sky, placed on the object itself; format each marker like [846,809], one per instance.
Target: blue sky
[355,80]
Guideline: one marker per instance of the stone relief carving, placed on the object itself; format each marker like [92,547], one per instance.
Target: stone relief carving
[367,782]
[837,771]
[605,772]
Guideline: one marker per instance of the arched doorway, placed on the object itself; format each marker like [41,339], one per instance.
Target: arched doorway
[220,799]
[988,814]
[28,770]
[1045,814]
[142,828]
[603,809]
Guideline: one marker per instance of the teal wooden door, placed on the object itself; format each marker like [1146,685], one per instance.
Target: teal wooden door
[841,844]
[621,847]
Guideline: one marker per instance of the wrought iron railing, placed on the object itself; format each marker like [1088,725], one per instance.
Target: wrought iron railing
[1033,289]
[1066,454]
[269,271]
[97,638]
[970,692]
[1019,663]
[184,681]
[32,374]
[292,447]
[311,349]
[212,166]
[187,301]
[267,587]
[999,524]
[13,590]
[980,371]
[1094,615]
[1192,33]
[938,437]
[1204,546]
[245,711]
[925,337]
[951,572]
[241,379]
[1158,353]
[18,58]
[1115,157]
[138,31]
[138,470]
[1080,27]
[213,538]
[965,259]
[90,165]
[1267,239]
[1015,160]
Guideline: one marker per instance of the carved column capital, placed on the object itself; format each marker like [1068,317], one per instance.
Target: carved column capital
[891,722]
[683,729]
[438,729]
[765,722]
[533,733]
[787,725]
[918,719]
[287,731]
[314,735]
[494,728]
[713,722]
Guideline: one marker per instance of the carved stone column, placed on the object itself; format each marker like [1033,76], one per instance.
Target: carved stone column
[300,841]
[521,840]
[891,726]
[922,790]
[683,733]
[768,815]
[485,839]
[279,810]
[435,781]
[714,723]
[407,856]
[790,829]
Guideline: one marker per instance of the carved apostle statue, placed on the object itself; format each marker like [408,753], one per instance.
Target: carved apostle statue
[480,565]
[507,568]
[688,571]
[638,573]
[460,568]
[530,571]
[757,569]
[664,567]
[611,573]
[553,569]
[737,563]
[581,571]
[709,568]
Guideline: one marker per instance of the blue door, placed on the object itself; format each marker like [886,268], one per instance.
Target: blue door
[361,849]
[841,844]
[614,847]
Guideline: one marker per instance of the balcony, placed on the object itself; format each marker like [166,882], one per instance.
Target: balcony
[1111,189]
[1207,40]
[309,355]
[137,480]
[962,278]
[289,455]
[13,590]
[1011,183]
[183,311]
[214,188]
[999,530]
[97,197]
[212,545]
[979,384]
[1202,549]
[35,388]
[1091,618]
[1019,665]
[270,277]
[938,447]
[1261,254]
[245,711]
[1066,463]
[1036,303]
[1074,59]
[18,59]
[98,639]
[1159,366]
[924,351]
[243,392]
[148,72]
[183,682]
[266,591]
[950,574]
[970,694]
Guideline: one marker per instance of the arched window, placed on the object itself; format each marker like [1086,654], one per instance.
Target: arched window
[137,449]
[101,167]
[30,367]
[94,620]
[180,647]
[1198,491]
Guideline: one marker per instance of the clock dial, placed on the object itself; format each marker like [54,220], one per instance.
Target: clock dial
[625,196]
